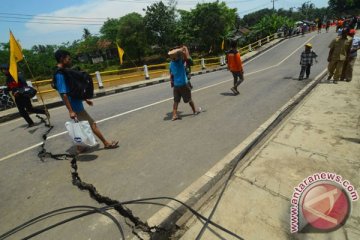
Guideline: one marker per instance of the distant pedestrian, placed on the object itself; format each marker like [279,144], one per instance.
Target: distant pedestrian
[349,63]
[339,51]
[319,25]
[22,101]
[353,22]
[306,61]
[328,23]
[179,82]
[235,66]
[339,24]
[75,106]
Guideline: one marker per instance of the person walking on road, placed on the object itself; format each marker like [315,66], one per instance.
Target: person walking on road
[347,72]
[179,82]
[306,61]
[75,106]
[22,101]
[319,25]
[235,66]
[339,51]
[327,26]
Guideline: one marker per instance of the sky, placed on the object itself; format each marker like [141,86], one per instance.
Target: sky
[29,20]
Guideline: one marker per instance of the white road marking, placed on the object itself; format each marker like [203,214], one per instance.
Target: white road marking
[156,103]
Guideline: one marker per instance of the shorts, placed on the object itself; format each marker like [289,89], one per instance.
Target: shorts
[84,116]
[183,92]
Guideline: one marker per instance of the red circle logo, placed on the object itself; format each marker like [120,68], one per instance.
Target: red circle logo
[325,206]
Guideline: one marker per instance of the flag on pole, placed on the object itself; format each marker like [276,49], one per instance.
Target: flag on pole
[15,56]
[223,44]
[121,53]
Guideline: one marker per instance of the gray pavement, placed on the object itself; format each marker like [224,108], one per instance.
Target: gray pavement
[156,157]
[321,135]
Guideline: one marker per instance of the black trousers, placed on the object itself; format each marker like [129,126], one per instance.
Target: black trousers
[305,68]
[25,107]
[238,78]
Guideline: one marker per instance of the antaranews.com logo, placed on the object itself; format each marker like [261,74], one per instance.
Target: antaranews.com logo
[321,203]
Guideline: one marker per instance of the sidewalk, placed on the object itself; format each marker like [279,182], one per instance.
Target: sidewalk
[321,135]
[13,113]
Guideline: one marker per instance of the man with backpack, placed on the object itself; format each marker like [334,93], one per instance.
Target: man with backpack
[64,83]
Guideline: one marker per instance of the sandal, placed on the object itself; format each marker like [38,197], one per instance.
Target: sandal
[198,111]
[174,118]
[112,145]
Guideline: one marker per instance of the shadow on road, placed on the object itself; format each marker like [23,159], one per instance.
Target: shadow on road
[87,157]
[354,140]
[228,94]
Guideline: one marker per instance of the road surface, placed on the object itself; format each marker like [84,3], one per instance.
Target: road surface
[156,157]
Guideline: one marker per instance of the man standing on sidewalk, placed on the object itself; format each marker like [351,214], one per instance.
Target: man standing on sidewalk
[350,61]
[75,106]
[339,51]
[235,66]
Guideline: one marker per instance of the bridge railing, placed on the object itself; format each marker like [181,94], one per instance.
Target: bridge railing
[122,76]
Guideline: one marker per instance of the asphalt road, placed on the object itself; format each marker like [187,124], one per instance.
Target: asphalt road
[156,157]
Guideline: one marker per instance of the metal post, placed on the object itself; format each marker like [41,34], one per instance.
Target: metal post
[146,72]
[203,63]
[99,80]
[29,83]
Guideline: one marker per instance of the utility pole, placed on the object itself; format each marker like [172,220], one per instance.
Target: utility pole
[273,2]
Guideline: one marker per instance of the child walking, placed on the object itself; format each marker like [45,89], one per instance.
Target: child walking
[306,61]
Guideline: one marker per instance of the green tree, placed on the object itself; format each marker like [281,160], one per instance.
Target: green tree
[132,36]
[252,18]
[109,29]
[160,25]
[210,23]
[270,24]
[343,6]
[86,33]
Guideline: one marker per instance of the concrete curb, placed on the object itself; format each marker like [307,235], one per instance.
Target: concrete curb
[173,211]
[132,86]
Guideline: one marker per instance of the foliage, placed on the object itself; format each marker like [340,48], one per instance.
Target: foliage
[160,24]
[146,39]
[132,36]
[204,27]
[345,6]
[270,24]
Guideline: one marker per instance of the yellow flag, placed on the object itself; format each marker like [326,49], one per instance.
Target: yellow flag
[223,44]
[15,56]
[121,53]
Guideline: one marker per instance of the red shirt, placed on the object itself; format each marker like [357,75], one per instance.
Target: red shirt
[234,61]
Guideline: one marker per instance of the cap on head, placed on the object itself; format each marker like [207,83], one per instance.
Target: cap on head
[352,32]
[309,45]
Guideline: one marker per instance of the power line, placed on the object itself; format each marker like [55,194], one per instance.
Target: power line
[62,17]
[60,23]
[51,20]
